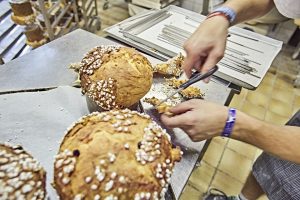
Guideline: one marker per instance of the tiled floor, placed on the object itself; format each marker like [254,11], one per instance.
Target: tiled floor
[227,162]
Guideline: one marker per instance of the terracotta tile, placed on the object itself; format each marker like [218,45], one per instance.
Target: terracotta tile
[253,110]
[274,118]
[258,99]
[213,153]
[269,78]
[202,176]
[281,108]
[297,101]
[283,95]
[231,160]
[221,140]
[226,184]
[242,148]
[191,193]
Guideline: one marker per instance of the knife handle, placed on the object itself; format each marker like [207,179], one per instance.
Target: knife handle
[197,76]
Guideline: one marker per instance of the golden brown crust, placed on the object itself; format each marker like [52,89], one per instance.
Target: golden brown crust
[21,8]
[175,83]
[119,154]
[130,72]
[23,20]
[162,108]
[22,12]
[35,44]
[188,93]
[21,176]
[191,92]
[34,33]
[153,101]
[172,67]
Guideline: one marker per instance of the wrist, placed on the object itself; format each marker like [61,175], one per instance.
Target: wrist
[226,12]
[245,127]
[220,21]
[230,123]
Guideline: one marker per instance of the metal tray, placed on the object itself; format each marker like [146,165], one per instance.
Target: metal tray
[162,33]
[39,125]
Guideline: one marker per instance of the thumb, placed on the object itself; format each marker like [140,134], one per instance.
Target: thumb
[189,63]
[212,59]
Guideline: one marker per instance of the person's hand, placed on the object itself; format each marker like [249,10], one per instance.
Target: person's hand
[205,48]
[198,118]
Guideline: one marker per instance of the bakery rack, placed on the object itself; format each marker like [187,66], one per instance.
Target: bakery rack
[64,16]
[12,39]
[58,18]
[90,15]
[155,4]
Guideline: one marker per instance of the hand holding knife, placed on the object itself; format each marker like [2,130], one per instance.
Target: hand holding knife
[196,76]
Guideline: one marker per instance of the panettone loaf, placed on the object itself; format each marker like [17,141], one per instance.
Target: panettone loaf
[172,67]
[114,76]
[114,155]
[34,35]
[21,176]
[22,12]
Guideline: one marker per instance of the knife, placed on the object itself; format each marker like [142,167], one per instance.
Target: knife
[196,76]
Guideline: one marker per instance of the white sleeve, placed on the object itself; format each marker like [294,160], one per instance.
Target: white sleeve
[288,8]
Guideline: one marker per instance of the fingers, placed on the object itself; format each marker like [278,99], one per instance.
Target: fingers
[189,63]
[173,122]
[182,115]
[182,107]
[212,59]
[198,64]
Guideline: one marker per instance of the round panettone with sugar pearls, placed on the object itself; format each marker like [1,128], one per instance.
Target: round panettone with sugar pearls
[115,155]
[21,176]
[115,77]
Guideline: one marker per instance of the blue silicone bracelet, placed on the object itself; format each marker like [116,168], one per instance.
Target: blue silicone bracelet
[229,123]
[229,12]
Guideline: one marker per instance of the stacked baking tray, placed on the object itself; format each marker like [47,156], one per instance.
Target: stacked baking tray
[156,4]
[162,33]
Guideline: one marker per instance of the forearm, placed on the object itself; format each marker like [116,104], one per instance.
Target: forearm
[281,141]
[249,9]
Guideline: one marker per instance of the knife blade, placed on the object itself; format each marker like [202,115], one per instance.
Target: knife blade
[196,76]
